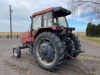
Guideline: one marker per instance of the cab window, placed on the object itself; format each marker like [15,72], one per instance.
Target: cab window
[62,21]
[47,18]
[37,20]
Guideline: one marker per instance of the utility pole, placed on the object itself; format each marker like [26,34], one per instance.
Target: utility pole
[10,10]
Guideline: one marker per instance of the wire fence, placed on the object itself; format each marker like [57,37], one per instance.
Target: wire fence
[8,36]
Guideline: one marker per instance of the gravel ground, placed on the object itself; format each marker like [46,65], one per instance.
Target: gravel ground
[87,63]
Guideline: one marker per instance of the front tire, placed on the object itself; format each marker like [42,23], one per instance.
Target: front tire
[16,52]
[48,51]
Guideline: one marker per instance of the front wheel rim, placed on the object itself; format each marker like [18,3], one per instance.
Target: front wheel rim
[15,53]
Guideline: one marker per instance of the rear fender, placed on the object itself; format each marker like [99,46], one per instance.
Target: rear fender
[47,29]
[26,36]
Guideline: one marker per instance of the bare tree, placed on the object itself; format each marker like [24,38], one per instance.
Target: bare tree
[86,8]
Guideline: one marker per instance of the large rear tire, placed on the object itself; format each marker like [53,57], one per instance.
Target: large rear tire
[76,44]
[48,51]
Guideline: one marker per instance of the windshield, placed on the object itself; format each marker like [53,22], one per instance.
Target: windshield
[61,21]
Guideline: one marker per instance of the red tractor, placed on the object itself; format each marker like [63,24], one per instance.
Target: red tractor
[50,38]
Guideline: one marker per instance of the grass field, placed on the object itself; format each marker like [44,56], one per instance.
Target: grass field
[19,33]
[8,33]
[83,36]
[79,34]
[92,38]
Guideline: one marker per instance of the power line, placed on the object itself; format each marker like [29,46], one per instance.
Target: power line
[10,11]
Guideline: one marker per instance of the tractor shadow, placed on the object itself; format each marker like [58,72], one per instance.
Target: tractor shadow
[73,66]
[82,65]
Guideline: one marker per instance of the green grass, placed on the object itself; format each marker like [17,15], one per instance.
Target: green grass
[92,38]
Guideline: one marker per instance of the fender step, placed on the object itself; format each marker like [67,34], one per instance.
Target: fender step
[78,51]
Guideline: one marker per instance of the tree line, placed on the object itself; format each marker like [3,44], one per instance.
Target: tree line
[93,30]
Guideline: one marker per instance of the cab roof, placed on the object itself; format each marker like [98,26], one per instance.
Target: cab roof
[54,9]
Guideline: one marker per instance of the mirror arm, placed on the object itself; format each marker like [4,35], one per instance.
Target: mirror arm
[31,25]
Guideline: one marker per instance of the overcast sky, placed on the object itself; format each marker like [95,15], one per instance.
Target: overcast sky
[22,9]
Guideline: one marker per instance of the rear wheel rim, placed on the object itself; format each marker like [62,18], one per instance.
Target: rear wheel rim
[47,50]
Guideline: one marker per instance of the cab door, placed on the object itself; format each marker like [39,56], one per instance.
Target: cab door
[37,23]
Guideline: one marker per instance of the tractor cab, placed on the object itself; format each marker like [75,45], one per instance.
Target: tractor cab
[50,17]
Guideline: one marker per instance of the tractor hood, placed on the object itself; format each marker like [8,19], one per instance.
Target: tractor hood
[25,34]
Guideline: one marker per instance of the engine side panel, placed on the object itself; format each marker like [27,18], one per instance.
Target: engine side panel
[26,37]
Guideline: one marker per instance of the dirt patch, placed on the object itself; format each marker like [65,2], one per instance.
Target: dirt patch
[15,66]
[85,64]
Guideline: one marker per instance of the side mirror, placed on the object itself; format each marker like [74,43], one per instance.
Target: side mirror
[72,29]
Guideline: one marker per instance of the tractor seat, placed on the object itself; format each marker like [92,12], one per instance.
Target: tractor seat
[56,24]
